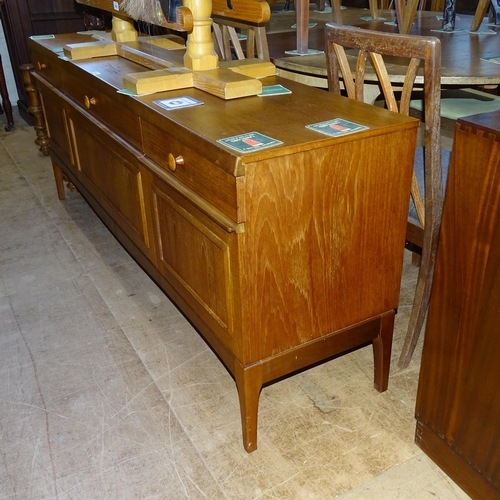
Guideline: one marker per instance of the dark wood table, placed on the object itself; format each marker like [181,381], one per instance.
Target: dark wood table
[461,51]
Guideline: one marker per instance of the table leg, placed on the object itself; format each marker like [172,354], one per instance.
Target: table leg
[302,9]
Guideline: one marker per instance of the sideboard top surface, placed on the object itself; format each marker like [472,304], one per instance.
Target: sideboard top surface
[488,122]
[282,117]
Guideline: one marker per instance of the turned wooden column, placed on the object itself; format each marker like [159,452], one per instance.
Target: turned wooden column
[200,53]
[123,29]
[35,109]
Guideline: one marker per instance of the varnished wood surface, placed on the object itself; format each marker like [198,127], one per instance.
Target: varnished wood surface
[273,254]
[461,52]
[278,117]
[458,407]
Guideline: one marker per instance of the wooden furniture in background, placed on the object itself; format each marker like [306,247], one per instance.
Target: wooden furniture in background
[461,53]
[199,66]
[282,257]
[24,18]
[227,41]
[6,105]
[422,233]
[458,403]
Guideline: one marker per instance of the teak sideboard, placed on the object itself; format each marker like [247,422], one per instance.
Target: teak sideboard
[283,257]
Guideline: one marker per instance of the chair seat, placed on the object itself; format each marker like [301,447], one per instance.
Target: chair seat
[463,102]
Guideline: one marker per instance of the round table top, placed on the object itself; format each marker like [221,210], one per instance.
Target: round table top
[461,51]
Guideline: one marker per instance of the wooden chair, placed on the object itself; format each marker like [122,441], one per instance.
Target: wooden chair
[227,41]
[422,234]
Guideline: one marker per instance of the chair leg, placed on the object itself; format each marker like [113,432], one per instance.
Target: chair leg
[261,43]
[422,296]
[482,8]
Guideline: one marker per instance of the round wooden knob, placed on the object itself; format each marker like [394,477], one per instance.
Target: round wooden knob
[89,101]
[41,66]
[174,161]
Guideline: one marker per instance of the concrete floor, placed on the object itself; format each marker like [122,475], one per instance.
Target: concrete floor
[107,392]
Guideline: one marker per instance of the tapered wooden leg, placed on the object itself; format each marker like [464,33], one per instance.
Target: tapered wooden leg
[249,385]
[59,178]
[481,9]
[261,43]
[373,8]
[35,109]
[408,17]
[382,348]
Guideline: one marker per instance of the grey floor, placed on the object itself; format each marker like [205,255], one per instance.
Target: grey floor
[107,392]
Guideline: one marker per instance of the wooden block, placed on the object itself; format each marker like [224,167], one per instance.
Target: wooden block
[254,68]
[148,56]
[250,11]
[226,84]
[148,82]
[169,42]
[88,50]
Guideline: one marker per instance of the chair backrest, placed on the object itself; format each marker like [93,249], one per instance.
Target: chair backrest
[228,34]
[414,49]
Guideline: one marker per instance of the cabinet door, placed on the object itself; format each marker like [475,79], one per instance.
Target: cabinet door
[198,257]
[55,112]
[110,171]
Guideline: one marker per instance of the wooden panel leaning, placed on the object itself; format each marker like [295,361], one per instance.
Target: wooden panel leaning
[423,233]
[458,408]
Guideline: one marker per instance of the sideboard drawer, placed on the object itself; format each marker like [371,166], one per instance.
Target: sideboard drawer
[105,109]
[206,179]
[47,64]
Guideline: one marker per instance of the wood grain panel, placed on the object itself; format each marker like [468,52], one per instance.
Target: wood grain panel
[323,240]
[458,387]
[197,255]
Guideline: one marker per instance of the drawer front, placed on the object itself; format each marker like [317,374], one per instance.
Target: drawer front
[198,258]
[117,117]
[47,64]
[213,184]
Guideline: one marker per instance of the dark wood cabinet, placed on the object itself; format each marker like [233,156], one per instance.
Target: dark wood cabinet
[24,18]
[458,403]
